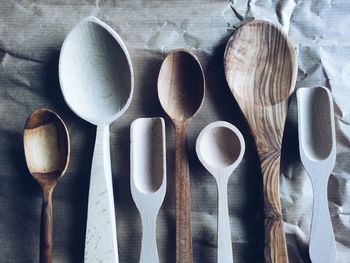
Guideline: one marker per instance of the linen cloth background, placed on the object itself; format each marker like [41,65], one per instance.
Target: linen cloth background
[31,34]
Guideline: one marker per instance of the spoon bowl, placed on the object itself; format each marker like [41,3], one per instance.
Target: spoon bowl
[261,70]
[96,78]
[220,147]
[181,88]
[46,148]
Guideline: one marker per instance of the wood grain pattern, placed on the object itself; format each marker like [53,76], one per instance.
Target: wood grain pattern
[260,68]
[148,179]
[317,146]
[47,148]
[181,88]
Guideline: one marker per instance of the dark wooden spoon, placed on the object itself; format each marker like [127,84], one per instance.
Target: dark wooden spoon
[181,88]
[261,70]
[47,148]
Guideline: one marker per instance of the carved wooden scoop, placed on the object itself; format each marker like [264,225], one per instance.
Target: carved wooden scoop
[318,153]
[261,70]
[46,147]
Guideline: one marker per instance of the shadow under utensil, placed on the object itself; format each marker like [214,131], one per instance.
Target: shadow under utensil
[73,188]
[290,161]
[251,213]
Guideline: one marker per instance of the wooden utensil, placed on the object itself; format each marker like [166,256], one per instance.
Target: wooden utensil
[148,179]
[181,87]
[261,70]
[317,148]
[220,148]
[96,79]
[46,148]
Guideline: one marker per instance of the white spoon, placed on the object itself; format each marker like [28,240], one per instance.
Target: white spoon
[220,147]
[148,179]
[318,153]
[96,79]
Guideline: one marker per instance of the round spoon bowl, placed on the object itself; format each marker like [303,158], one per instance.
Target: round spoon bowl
[181,85]
[46,145]
[95,71]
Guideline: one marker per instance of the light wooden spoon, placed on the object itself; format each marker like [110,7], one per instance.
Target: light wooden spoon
[96,79]
[220,148]
[46,148]
[148,179]
[181,88]
[261,70]
[318,153]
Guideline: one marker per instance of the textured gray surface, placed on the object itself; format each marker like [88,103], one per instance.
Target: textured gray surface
[30,38]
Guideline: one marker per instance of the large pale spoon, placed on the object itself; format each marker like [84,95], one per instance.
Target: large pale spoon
[220,148]
[317,153]
[261,70]
[148,179]
[181,91]
[97,82]
[46,148]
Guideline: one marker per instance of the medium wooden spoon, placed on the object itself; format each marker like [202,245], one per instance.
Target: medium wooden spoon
[46,147]
[261,70]
[181,91]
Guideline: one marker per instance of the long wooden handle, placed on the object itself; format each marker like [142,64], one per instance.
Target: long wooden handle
[322,247]
[275,242]
[182,192]
[101,233]
[46,227]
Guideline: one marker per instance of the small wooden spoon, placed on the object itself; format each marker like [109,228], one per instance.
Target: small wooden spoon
[317,153]
[46,148]
[181,91]
[220,148]
[261,70]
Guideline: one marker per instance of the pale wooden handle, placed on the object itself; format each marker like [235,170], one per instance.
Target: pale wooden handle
[183,204]
[149,251]
[46,227]
[322,247]
[224,230]
[101,234]
[275,242]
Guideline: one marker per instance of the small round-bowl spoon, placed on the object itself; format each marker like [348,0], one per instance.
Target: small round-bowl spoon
[148,179]
[317,147]
[46,148]
[96,79]
[181,88]
[220,148]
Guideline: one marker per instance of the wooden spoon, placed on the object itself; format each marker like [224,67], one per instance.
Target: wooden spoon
[46,148]
[261,70]
[220,148]
[96,78]
[317,153]
[181,91]
[148,179]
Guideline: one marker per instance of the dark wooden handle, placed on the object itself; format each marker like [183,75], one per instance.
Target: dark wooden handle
[182,192]
[275,242]
[46,227]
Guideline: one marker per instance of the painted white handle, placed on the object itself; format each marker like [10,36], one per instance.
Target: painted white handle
[224,230]
[149,251]
[101,234]
[322,246]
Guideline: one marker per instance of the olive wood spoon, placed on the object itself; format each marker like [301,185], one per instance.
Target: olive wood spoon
[317,148]
[261,70]
[46,148]
[220,148]
[181,87]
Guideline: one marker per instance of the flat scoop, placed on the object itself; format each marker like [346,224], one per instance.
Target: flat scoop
[261,70]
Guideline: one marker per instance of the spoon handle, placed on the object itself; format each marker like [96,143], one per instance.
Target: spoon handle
[322,246]
[101,233]
[149,251]
[224,230]
[46,226]
[182,200]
